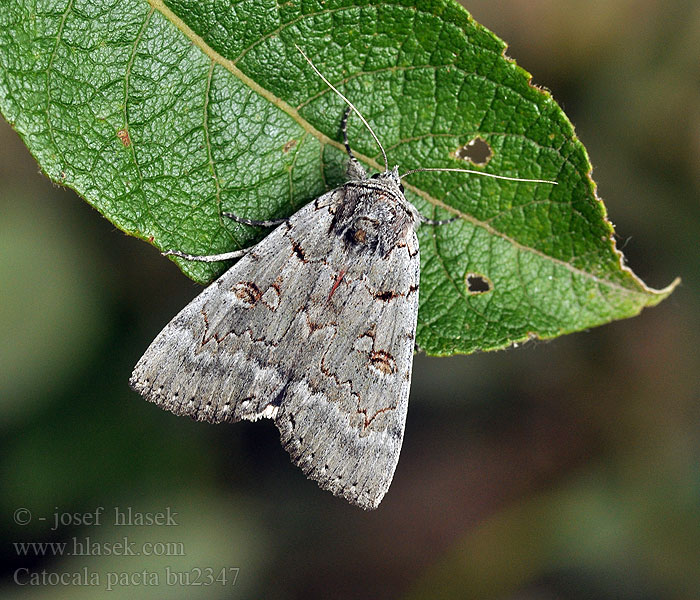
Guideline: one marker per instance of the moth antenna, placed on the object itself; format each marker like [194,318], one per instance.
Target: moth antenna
[350,104]
[474,172]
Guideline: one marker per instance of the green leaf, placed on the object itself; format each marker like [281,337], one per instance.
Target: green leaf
[163,115]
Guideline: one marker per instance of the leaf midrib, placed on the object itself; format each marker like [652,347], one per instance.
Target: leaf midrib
[234,70]
[228,64]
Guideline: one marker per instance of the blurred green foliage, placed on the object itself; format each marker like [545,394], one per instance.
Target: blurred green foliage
[567,469]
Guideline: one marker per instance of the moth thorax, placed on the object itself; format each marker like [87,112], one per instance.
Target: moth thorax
[363,232]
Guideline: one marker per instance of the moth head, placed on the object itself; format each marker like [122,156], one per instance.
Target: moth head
[391,177]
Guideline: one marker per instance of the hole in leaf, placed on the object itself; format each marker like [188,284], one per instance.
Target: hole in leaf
[478,283]
[476,151]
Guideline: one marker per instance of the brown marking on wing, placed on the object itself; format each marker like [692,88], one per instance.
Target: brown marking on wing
[386,296]
[298,250]
[247,291]
[336,283]
[383,362]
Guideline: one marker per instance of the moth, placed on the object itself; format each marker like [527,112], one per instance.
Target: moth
[314,328]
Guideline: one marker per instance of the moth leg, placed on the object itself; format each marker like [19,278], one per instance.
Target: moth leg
[210,257]
[438,222]
[226,255]
[253,222]
[355,170]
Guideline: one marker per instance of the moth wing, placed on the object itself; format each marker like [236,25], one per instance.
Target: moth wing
[305,333]
[216,360]
[343,415]
[343,419]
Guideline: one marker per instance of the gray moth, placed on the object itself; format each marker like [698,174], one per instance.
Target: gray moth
[314,328]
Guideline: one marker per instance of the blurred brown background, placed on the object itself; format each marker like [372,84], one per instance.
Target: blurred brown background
[567,469]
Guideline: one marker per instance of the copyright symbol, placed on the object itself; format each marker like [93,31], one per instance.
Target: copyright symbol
[22,516]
